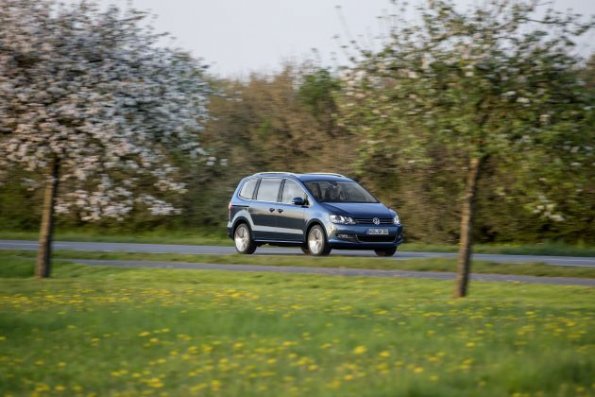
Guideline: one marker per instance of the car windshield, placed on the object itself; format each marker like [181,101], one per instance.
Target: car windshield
[339,192]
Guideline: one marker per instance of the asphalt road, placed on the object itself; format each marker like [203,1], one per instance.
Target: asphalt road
[225,250]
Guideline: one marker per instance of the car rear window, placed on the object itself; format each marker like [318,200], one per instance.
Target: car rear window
[248,188]
[268,189]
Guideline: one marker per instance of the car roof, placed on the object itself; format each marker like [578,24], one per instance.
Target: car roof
[318,176]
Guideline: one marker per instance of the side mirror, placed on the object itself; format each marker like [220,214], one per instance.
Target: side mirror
[298,201]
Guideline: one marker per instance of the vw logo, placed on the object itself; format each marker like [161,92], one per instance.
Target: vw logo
[376,221]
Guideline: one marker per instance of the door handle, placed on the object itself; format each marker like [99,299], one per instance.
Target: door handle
[280,210]
[271,210]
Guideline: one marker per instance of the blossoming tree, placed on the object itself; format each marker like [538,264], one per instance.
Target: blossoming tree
[499,82]
[90,100]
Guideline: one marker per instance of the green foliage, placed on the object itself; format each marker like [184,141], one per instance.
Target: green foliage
[317,91]
[492,84]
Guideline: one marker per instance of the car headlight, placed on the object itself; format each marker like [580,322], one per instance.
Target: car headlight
[344,220]
[396,219]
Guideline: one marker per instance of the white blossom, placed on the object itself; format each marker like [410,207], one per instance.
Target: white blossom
[92,89]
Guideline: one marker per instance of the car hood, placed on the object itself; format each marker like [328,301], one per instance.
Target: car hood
[359,210]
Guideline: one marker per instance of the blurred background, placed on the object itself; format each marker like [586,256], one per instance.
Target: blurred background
[294,116]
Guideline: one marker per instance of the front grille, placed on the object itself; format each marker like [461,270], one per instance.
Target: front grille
[376,239]
[368,221]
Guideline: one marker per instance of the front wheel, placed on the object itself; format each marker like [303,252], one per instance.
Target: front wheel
[386,252]
[317,242]
[242,238]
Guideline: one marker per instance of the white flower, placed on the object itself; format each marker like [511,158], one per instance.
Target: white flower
[97,93]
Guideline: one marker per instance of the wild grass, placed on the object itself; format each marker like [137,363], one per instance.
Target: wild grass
[109,331]
[187,237]
[431,264]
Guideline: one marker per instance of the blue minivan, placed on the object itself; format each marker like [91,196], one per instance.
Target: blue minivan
[317,212]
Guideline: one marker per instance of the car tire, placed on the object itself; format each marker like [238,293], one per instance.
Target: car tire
[305,249]
[243,241]
[317,243]
[386,252]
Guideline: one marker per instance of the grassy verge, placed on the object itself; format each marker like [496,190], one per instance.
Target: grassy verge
[130,332]
[218,237]
[188,237]
[548,248]
[434,264]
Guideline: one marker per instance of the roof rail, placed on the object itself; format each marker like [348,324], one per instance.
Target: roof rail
[274,173]
[326,173]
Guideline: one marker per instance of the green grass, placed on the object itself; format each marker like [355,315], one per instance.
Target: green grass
[108,331]
[547,248]
[188,237]
[216,236]
[434,264]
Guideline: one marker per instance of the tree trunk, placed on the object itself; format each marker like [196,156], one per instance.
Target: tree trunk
[467,215]
[44,253]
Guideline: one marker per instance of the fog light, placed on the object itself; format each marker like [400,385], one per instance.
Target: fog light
[344,236]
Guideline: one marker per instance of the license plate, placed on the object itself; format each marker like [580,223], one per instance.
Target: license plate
[378,232]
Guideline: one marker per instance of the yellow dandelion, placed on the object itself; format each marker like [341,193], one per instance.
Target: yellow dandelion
[42,387]
[155,383]
[334,384]
[360,350]
[198,387]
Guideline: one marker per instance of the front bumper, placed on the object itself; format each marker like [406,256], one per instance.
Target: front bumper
[357,236]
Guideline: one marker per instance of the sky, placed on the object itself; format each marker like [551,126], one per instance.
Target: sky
[237,37]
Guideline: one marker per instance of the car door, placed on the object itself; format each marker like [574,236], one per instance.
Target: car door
[291,217]
[264,209]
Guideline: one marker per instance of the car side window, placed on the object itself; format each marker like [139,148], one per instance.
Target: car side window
[290,191]
[268,189]
[248,189]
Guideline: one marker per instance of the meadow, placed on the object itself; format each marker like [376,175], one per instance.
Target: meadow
[297,259]
[95,331]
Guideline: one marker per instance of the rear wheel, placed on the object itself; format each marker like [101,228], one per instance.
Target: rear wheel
[317,242]
[242,238]
[386,252]
[305,249]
